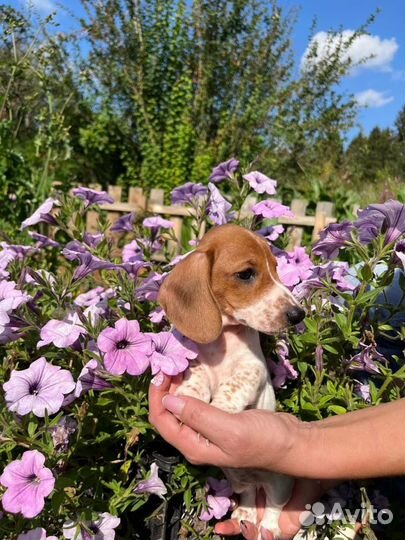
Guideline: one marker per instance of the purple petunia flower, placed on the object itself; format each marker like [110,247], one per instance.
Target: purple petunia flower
[40,387]
[28,483]
[36,534]
[153,484]
[319,358]
[336,271]
[224,170]
[42,214]
[132,252]
[92,196]
[363,390]
[261,183]
[399,252]
[271,233]
[188,193]
[282,370]
[92,377]
[149,290]
[19,252]
[271,209]
[218,207]
[125,348]
[334,237]
[93,240]
[218,499]
[387,218]
[156,222]
[88,262]
[63,333]
[293,267]
[101,528]
[10,299]
[124,224]
[91,297]
[157,315]
[171,354]
[365,359]
[42,241]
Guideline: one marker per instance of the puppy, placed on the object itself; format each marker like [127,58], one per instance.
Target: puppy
[221,296]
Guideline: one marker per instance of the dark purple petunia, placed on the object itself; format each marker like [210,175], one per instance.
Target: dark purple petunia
[224,170]
[387,218]
[88,262]
[333,238]
[124,224]
[399,252]
[365,359]
[150,287]
[92,196]
[92,377]
[188,193]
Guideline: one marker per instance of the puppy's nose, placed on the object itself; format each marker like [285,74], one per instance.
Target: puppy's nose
[295,315]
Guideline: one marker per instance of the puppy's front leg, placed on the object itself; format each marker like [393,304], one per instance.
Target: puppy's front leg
[241,389]
[195,383]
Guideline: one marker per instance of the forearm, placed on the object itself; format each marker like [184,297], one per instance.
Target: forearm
[362,444]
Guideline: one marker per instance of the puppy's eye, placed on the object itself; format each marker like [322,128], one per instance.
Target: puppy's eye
[246,275]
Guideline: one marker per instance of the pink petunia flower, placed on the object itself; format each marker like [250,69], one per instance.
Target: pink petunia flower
[157,315]
[102,528]
[10,299]
[125,348]
[218,499]
[36,534]
[40,387]
[153,484]
[271,209]
[28,483]
[62,334]
[294,266]
[261,183]
[156,222]
[171,354]
[42,214]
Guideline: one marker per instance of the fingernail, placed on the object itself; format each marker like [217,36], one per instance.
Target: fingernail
[173,404]
[266,535]
[243,526]
[158,379]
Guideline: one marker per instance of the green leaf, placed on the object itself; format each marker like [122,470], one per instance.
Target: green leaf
[337,409]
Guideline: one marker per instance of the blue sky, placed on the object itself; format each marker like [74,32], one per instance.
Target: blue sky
[379,85]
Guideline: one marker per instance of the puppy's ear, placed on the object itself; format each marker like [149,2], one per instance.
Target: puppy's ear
[186,296]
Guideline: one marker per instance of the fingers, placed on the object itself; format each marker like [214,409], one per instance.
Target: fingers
[174,427]
[230,527]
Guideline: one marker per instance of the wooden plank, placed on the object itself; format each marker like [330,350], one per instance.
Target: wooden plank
[156,196]
[136,197]
[324,210]
[296,233]
[115,192]
[175,245]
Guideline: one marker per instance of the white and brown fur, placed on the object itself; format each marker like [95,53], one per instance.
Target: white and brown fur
[208,299]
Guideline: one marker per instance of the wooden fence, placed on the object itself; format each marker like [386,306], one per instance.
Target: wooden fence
[154,204]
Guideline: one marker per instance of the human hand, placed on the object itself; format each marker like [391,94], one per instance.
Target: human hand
[207,435]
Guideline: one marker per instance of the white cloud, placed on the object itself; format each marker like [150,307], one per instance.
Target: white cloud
[41,5]
[379,52]
[372,98]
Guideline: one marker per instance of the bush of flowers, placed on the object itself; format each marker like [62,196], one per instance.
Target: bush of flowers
[82,334]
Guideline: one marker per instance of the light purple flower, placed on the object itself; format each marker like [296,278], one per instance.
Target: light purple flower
[282,370]
[335,271]
[334,237]
[92,196]
[42,214]
[88,262]
[40,387]
[150,287]
[42,241]
[261,183]
[6,257]
[271,209]
[93,240]
[153,484]
[157,315]
[218,499]
[62,432]
[10,299]
[63,333]
[363,390]
[91,297]
[387,218]
[102,528]
[124,224]
[19,251]
[224,170]
[125,348]
[92,377]
[272,232]
[36,534]
[28,483]
[171,354]
[365,359]
[132,252]
[156,222]
[218,207]
[188,193]
[294,266]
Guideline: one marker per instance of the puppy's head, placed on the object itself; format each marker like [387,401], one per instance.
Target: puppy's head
[232,273]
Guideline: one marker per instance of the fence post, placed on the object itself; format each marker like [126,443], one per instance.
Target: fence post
[298,208]
[323,211]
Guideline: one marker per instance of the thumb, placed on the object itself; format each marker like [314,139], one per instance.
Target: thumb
[208,421]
